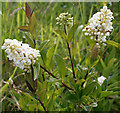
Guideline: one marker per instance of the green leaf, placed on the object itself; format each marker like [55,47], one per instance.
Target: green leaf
[71,32]
[38,43]
[77,86]
[95,63]
[40,61]
[29,97]
[111,62]
[86,100]
[33,24]
[24,28]
[23,103]
[113,43]
[79,83]
[109,67]
[60,65]
[43,55]
[16,94]
[43,44]
[32,106]
[53,80]
[116,84]
[99,89]
[30,41]
[25,99]
[51,102]
[89,88]
[59,91]
[36,67]
[71,98]
[108,93]
[41,90]
[49,56]
[62,34]
[103,64]
[104,85]
[114,75]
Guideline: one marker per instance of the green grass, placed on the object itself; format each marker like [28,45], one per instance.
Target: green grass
[46,14]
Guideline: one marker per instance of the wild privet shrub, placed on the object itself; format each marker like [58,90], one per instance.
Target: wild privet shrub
[71,85]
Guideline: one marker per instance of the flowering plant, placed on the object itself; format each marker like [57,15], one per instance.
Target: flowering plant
[64,18]
[22,55]
[100,26]
[63,62]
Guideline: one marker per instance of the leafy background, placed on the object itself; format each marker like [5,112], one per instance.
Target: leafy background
[55,58]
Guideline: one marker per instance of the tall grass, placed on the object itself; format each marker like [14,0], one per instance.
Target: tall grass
[46,14]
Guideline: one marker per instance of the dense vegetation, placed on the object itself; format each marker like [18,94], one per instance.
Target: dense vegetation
[65,77]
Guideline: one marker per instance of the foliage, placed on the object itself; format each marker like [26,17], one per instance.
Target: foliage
[65,77]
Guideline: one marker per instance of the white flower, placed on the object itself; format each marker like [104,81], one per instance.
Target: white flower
[64,18]
[101,80]
[104,38]
[103,24]
[97,43]
[100,25]
[84,30]
[22,55]
[105,8]
[86,34]
[107,34]
[91,37]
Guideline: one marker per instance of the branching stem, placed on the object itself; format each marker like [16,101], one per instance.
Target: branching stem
[54,77]
[68,46]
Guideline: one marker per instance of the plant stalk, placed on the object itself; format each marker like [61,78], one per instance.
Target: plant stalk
[68,46]
[55,77]
[42,105]
[4,88]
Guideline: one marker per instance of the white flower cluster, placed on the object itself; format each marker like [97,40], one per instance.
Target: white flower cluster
[101,80]
[22,55]
[100,25]
[64,18]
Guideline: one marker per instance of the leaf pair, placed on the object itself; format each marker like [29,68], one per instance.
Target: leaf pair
[32,21]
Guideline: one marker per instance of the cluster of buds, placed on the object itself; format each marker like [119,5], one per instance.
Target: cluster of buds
[64,18]
[22,55]
[100,26]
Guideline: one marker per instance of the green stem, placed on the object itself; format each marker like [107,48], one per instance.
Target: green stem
[4,88]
